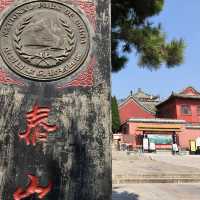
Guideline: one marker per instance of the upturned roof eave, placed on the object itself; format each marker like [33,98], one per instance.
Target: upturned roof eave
[166,100]
[174,95]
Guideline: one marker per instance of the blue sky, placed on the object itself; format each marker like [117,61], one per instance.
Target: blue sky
[179,18]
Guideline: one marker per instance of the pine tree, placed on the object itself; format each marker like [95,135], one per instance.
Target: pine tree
[133,30]
[115,115]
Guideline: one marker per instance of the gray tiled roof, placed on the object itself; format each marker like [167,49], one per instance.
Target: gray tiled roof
[185,96]
[182,94]
[179,95]
[150,105]
[147,101]
[142,95]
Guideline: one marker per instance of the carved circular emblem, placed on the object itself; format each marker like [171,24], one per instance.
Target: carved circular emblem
[44,40]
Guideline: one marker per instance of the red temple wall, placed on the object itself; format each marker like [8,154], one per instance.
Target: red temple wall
[186,135]
[167,110]
[172,109]
[131,109]
[194,117]
[133,137]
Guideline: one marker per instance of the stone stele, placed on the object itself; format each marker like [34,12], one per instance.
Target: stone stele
[55,100]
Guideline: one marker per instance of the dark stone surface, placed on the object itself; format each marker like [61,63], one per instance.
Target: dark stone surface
[76,157]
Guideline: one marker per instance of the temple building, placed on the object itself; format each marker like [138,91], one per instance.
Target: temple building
[175,120]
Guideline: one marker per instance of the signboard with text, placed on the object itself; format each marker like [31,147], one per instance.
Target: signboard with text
[160,139]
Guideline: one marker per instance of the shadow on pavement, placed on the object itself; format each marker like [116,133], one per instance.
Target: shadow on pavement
[124,196]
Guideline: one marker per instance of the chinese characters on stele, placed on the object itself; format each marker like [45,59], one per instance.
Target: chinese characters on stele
[37,127]
[37,130]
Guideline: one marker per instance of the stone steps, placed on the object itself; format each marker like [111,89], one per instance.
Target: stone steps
[157,178]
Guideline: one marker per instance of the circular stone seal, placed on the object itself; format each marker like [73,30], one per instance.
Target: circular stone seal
[44,40]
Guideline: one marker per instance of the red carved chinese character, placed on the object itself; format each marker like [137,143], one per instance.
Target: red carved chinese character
[33,188]
[37,127]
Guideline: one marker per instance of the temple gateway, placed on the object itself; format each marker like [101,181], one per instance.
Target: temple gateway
[174,121]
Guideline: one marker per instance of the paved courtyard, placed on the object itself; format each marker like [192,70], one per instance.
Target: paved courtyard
[157,165]
[150,164]
[156,192]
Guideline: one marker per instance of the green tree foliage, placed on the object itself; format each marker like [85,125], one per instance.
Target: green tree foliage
[115,115]
[132,30]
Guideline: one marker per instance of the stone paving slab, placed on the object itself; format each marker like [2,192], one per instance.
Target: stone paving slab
[184,161]
[156,192]
[139,165]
